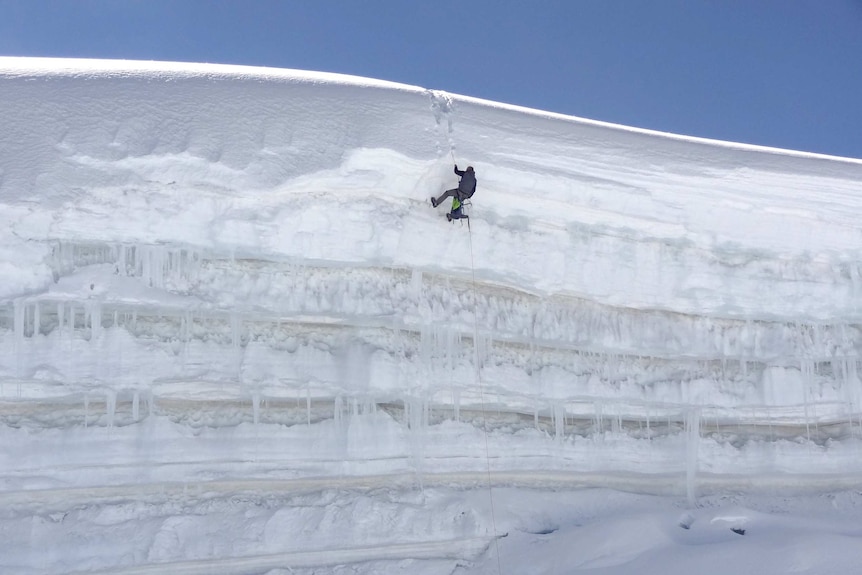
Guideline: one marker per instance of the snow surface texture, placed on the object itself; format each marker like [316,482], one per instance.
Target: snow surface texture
[236,338]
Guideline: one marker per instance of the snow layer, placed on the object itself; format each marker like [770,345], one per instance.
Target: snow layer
[235,336]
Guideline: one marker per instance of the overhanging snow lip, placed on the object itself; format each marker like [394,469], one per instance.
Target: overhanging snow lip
[59,67]
[48,66]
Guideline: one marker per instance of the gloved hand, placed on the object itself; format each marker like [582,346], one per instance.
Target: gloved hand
[456,166]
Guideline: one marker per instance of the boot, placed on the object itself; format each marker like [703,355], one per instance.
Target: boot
[434,202]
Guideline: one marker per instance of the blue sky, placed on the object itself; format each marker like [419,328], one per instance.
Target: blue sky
[784,73]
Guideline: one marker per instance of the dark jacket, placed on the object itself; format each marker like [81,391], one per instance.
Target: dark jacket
[467,185]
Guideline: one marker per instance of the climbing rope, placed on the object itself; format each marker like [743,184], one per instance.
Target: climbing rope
[478,379]
[482,398]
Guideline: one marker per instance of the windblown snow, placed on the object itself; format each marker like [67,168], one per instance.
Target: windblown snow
[235,337]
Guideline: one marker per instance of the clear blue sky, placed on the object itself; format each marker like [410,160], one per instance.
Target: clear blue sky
[785,73]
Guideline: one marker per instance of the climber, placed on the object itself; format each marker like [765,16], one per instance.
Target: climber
[466,188]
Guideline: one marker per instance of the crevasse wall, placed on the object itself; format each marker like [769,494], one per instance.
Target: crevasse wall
[182,234]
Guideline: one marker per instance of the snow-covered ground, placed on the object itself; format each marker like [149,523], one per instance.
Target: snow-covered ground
[236,338]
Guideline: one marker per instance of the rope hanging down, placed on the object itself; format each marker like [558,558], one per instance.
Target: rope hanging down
[478,377]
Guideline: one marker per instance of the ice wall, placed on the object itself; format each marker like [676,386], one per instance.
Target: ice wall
[220,245]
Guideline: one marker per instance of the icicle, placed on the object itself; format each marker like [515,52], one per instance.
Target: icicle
[153,265]
[854,282]
[110,406]
[95,319]
[20,319]
[806,367]
[416,283]
[37,320]
[186,327]
[308,404]
[142,264]
[136,406]
[450,349]
[20,326]
[599,419]
[559,413]
[159,266]
[456,403]
[255,407]
[337,409]
[417,409]
[120,260]
[61,308]
[417,421]
[853,394]
[648,430]
[236,341]
[769,419]
[692,446]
